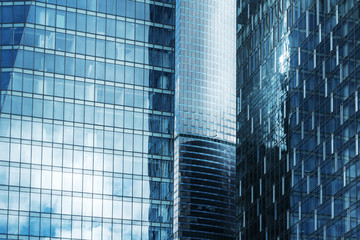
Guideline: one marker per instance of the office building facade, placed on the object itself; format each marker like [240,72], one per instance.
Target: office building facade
[297,96]
[118,119]
[86,122]
[205,107]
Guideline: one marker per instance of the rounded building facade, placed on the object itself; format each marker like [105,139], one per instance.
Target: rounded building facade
[205,123]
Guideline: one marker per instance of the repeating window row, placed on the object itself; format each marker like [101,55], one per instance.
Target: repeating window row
[77,160]
[81,67]
[58,16]
[57,228]
[87,207]
[83,183]
[59,87]
[133,142]
[87,114]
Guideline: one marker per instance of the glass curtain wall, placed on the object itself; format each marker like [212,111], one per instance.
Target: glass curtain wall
[86,121]
[204,170]
[297,92]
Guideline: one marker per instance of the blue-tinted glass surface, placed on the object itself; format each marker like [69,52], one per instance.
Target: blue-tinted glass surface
[297,93]
[80,157]
[204,172]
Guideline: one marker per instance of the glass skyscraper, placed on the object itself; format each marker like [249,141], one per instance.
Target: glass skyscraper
[179,119]
[297,100]
[205,127]
[86,122]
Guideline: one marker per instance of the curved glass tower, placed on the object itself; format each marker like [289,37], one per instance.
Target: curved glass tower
[204,160]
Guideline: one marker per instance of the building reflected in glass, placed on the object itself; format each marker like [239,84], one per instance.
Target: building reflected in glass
[232,120]
[297,95]
[86,121]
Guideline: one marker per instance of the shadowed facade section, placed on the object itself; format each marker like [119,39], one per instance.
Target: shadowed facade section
[206,189]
